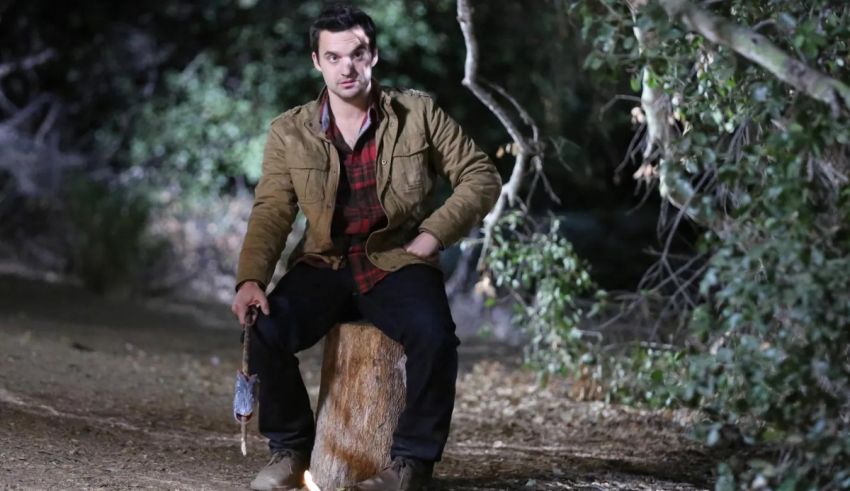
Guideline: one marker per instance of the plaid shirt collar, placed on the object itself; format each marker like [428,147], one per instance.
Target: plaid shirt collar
[326,118]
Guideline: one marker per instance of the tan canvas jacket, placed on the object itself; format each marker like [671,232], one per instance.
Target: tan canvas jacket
[417,142]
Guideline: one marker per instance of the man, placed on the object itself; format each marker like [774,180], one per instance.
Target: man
[359,162]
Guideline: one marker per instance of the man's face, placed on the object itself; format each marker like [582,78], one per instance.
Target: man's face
[346,62]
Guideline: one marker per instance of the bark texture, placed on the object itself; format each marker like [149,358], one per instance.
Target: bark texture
[361,396]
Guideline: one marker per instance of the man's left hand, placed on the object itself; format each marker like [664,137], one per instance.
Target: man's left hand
[425,246]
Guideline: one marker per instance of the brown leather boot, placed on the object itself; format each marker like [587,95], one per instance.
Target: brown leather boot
[403,474]
[285,470]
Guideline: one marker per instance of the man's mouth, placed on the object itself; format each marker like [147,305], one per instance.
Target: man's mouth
[348,83]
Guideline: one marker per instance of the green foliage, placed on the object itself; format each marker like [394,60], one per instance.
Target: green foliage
[109,244]
[205,128]
[642,376]
[769,340]
[201,133]
[555,302]
[547,280]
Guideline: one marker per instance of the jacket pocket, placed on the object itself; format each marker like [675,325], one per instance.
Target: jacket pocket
[309,180]
[410,170]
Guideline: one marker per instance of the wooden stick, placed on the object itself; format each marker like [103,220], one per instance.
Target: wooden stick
[250,318]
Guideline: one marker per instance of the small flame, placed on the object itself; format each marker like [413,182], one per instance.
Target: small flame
[308,481]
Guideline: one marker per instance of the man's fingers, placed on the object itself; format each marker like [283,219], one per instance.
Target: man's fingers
[264,305]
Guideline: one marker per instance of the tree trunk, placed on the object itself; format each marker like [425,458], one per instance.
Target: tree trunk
[361,396]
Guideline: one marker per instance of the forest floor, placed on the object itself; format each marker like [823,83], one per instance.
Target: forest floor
[100,394]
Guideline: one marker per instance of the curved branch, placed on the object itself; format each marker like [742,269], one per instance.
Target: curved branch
[527,149]
[508,195]
[470,76]
[526,118]
[760,50]
[27,63]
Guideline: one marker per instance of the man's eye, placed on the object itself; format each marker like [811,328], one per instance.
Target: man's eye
[332,58]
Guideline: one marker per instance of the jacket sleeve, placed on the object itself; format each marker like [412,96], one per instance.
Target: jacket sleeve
[473,177]
[271,217]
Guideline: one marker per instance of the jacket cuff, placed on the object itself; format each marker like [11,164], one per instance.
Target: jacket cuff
[258,282]
[441,238]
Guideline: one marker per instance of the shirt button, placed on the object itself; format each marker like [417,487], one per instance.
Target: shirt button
[383,162]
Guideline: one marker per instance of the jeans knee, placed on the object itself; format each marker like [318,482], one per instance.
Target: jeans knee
[273,333]
[434,338]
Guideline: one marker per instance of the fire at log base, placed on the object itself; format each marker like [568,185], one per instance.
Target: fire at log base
[361,396]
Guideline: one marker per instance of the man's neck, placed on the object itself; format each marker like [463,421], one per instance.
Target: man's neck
[350,110]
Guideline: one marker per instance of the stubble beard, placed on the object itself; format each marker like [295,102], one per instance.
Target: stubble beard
[355,92]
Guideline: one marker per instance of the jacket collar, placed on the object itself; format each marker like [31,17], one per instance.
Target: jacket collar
[313,110]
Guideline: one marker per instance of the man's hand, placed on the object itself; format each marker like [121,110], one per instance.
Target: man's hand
[249,294]
[425,246]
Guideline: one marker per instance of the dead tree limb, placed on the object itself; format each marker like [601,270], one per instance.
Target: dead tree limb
[656,106]
[529,148]
[744,41]
[26,63]
[657,113]
[761,51]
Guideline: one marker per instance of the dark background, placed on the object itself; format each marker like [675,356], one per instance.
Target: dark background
[131,131]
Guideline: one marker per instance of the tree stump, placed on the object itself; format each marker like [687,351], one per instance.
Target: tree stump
[361,396]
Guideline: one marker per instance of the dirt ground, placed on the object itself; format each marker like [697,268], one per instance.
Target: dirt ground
[100,394]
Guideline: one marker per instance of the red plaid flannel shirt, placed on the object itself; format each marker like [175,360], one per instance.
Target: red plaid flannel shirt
[358,211]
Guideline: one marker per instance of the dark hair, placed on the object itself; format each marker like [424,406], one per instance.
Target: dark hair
[340,17]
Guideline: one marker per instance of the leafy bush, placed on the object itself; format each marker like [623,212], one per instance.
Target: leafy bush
[200,133]
[546,279]
[109,244]
[768,168]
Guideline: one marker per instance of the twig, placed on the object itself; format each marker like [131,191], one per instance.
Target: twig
[26,63]
[47,123]
[614,100]
[526,118]
[29,110]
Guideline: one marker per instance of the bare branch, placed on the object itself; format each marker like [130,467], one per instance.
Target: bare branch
[760,50]
[49,120]
[27,112]
[526,118]
[470,78]
[27,63]
[619,97]
[508,195]
[527,148]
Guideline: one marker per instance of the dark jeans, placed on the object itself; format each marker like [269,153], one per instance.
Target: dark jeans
[409,306]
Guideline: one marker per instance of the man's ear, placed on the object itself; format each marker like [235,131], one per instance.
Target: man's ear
[315,61]
[375,58]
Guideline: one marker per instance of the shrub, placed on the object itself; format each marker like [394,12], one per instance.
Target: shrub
[109,245]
